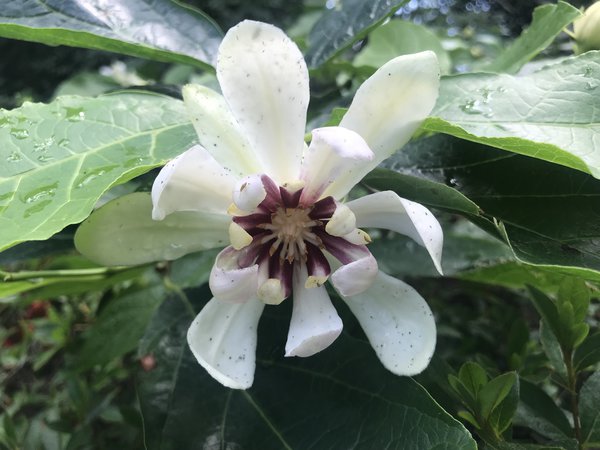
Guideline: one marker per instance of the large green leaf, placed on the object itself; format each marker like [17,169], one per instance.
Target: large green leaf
[343,396]
[344,24]
[548,212]
[548,21]
[163,30]
[550,114]
[59,158]
[400,38]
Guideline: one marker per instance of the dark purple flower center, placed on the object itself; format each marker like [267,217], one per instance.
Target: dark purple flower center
[286,232]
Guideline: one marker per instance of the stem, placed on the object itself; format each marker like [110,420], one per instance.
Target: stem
[572,380]
[65,273]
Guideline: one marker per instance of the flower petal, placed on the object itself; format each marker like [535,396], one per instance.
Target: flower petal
[355,277]
[223,340]
[230,282]
[218,131]
[333,163]
[194,181]
[122,232]
[392,103]
[315,323]
[264,79]
[387,210]
[398,323]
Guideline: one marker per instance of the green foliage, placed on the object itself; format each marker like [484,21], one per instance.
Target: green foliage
[400,38]
[340,27]
[95,142]
[527,114]
[547,22]
[161,30]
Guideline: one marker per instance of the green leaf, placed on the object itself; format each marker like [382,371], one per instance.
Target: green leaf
[424,191]
[343,388]
[465,248]
[589,412]
[162,30]
[399,37]
[588,353]
[551,347]
[548,21]
[346,23]
[502,416]
[547,309]
[548,212]
[550,114]
[59,158]
[494,392]
[575,292]
[473,376]
[539,412]
[120,325]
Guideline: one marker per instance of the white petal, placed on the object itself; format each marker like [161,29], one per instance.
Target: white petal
[342,222]
[193,181]
[223,340]
[355,277]
[392,103]
[218,131]
[315,323]
[334,162]
[264,79]
[249,192]
[231,283]
[388,210]
[398,323]
[122,232]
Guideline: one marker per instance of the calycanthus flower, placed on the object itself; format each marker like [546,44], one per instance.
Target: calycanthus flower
[254,183]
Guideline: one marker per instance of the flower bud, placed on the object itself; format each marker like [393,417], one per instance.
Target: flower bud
[586,30]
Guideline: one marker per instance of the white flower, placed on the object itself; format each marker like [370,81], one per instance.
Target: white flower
[252,181]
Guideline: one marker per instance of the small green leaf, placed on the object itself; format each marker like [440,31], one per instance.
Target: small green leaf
[553,350]
[589,412]
[59,158]
[398,37]
[502,416]
[494,392]
[548,21]
[159,29]
[473,376]
[549,114]
[547,309]
[339,27]
[575,292]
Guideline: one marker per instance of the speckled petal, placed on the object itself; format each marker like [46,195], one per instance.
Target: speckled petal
[398,324]
[389,211]
[218,131]
[194,181]
[223,340]
[315,323]
[264,79]
[392,103]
